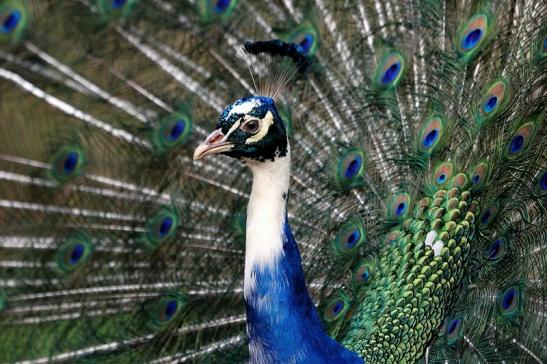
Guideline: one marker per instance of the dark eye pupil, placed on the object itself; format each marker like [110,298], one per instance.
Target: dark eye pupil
[252,125]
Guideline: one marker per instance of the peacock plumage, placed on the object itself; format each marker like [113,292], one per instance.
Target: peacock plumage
[395,211]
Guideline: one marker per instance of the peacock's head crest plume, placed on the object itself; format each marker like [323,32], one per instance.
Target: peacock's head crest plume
[249,129]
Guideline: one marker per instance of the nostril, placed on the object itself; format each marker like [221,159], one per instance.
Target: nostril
[215,138]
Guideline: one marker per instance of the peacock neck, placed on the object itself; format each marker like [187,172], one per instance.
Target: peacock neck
[266,215]
[282,323]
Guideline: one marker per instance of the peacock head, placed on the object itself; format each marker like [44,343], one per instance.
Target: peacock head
[250,130]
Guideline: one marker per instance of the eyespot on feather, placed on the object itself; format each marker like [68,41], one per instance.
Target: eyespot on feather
[520,140]
[390,70]
[391,237]
[350,237]
[443,173]
[112,9]
[350,168]
[489,214]
[336,307]
[67,163]
[473,35]
[210,10]
[164,311]
[14,20]
[541,183]
[478,175]
[306,36]
[493,100]
[171,132]
[398,206]
[74,253]
[510,302]
[160,227]
[430,134]
[363,273]
[454,330]
[496,250]
[461,181]
[9,20]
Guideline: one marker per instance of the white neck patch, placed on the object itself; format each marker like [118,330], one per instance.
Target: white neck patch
[266,215]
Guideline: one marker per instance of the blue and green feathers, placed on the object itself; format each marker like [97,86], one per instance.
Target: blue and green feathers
[417,191]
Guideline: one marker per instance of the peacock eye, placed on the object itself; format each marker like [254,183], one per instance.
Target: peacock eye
[251,126]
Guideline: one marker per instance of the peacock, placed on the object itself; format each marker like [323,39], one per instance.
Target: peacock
[287,181]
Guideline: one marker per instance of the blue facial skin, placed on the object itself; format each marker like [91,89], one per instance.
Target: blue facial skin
[272,145]
[282,319]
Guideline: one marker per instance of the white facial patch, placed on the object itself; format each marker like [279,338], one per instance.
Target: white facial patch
[244,107]
[264,127]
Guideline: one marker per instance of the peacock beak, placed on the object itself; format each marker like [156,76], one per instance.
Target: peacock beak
[215,143]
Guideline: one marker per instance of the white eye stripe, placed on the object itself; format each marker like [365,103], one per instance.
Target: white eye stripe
[232,129]
[265,126]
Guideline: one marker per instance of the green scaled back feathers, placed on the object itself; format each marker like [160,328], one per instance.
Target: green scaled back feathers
[418,188]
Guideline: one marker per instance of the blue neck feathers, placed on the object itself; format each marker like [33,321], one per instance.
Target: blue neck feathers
[282,322]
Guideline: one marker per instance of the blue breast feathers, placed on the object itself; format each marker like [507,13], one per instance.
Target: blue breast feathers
[282,322]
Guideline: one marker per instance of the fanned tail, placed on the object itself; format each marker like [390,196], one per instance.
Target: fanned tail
[417,189]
